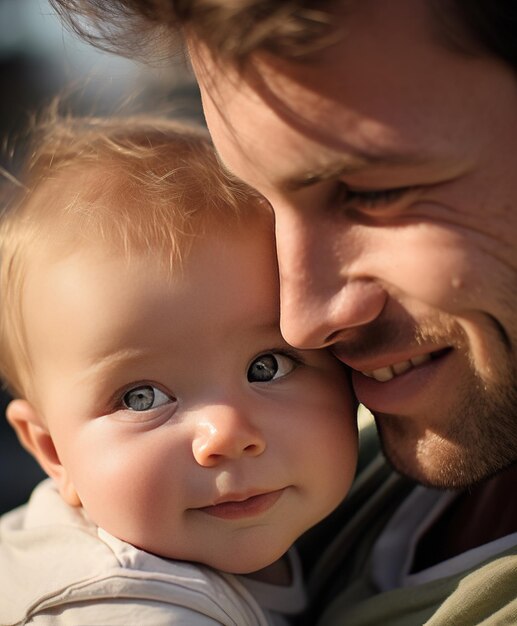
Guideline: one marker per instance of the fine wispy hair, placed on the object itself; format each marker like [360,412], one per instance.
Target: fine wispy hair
[139,185]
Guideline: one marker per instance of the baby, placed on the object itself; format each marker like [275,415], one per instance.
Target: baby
[187,445]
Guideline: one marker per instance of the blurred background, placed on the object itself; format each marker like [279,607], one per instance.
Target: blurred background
[39,59]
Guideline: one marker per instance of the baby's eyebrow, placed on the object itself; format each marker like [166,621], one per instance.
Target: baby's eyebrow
[106,362]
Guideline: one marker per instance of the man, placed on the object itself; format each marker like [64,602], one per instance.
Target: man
[383,134]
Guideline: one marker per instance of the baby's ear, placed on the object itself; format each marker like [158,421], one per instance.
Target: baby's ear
[36,439]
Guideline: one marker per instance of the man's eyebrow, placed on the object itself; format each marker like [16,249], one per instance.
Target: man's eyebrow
[342,167]
[352,165]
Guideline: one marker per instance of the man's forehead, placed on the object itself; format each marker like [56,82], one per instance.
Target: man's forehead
[249,132]
[367,100]
[368,77]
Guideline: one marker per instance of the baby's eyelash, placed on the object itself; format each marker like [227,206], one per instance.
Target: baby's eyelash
[116,403]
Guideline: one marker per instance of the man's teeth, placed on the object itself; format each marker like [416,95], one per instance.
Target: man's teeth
[383,374]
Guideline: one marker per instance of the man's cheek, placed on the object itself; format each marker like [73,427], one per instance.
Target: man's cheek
[430,266]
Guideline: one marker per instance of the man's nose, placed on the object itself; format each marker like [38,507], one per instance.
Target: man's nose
[324,289]
[225,433]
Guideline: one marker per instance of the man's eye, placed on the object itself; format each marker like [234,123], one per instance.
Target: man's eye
[371,199]
[144,398]
[270,366]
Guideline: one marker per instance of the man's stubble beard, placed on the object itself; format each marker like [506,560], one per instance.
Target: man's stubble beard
[477,439]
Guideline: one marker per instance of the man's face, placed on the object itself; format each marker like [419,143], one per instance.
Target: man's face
[389,160]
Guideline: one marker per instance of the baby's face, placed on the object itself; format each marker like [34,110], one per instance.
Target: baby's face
[183,421]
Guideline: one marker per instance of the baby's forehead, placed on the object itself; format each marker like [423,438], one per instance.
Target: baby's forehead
[104,207]
[102,202]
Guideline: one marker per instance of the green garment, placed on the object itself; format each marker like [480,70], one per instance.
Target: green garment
[486,595]
[340,586]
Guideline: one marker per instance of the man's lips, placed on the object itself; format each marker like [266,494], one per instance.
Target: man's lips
[387,372]
[385,368]
[236,507]
[409,390]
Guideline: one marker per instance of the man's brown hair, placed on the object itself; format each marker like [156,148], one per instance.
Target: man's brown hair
[234,29]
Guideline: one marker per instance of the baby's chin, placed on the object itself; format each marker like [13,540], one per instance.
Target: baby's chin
[251,558]
[233,558]
[256,565]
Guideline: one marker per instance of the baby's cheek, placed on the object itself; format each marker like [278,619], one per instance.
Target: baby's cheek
[114,503]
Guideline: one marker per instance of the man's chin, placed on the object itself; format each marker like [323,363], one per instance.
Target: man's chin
[433,461]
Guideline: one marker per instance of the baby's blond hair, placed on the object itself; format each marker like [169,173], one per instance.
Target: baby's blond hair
[141,185]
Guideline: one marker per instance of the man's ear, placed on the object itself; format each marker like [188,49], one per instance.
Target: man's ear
[36,439]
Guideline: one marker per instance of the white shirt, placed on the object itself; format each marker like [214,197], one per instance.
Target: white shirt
[59,569]
[394,550]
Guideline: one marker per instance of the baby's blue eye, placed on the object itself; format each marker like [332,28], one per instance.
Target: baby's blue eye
[144,398]
[269,367]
